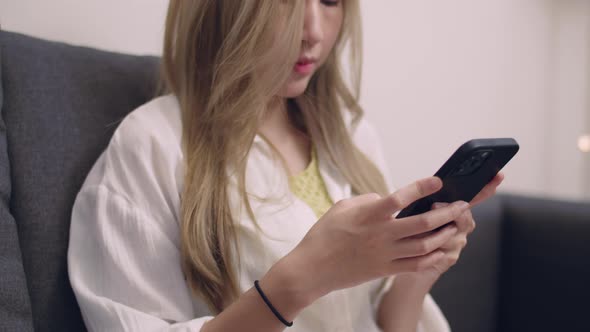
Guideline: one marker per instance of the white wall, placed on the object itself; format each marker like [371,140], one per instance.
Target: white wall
[133,26]
[437,73]
[441,72]
[568,168]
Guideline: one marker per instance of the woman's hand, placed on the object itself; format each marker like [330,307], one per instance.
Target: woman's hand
[359,240]
[453,247]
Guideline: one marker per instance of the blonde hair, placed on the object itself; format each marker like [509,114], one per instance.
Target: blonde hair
[219,60]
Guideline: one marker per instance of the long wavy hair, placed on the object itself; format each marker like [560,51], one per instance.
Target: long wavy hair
[221,60]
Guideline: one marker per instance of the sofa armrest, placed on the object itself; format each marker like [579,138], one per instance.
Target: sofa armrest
[545,283]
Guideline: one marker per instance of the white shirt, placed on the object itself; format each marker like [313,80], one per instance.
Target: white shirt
[124,256]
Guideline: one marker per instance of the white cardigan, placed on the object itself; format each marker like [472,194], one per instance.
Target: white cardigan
[124,258]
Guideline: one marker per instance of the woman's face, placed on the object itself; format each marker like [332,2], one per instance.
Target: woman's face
[323,21]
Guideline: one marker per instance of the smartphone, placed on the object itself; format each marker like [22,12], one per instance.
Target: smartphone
[467,172]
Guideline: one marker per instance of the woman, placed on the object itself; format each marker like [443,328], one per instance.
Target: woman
[222,192]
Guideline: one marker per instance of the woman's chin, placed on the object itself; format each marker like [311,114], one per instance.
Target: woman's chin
[294,88]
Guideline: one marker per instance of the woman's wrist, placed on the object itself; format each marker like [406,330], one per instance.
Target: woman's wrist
[401,306]
[289,287]
[420,283]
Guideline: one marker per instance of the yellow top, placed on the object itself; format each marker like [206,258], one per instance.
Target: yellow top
[310,187]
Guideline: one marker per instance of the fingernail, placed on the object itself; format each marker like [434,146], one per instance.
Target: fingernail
[434,183]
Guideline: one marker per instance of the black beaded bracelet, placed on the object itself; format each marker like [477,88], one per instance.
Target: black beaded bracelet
[267,301]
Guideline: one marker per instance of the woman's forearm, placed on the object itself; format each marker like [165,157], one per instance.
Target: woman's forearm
[401,307]
[286,291]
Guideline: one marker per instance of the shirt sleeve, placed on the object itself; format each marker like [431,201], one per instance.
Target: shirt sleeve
[432,319]
[124,260]
[124,270]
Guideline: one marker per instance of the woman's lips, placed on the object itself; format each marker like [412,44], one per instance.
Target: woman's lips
[304,66]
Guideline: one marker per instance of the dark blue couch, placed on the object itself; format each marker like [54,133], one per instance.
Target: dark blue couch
[526,268]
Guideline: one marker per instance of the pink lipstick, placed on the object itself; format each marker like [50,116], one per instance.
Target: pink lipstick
[304,66]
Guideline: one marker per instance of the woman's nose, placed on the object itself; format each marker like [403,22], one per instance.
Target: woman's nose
[312,26]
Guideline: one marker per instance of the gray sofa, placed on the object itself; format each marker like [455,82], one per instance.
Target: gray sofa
[526,268]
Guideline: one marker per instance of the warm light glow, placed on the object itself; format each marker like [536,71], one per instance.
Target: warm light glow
[584,143]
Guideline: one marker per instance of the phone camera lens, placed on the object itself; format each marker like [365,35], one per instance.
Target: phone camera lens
[486,154]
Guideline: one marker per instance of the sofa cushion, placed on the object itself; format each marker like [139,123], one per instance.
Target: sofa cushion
[15,309]
[545,265]
[61,106]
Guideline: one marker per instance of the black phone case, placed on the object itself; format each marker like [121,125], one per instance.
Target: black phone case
[467,172]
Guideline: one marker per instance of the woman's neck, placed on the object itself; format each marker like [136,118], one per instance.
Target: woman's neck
[293,145]
[276,121]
